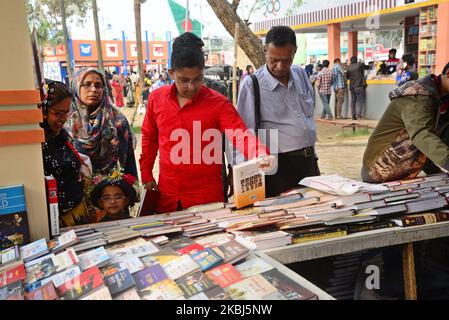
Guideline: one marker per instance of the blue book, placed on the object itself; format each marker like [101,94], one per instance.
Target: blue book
[12,199]
[119,281]
[207,259]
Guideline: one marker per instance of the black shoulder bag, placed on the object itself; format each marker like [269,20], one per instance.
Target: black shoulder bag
[227,179]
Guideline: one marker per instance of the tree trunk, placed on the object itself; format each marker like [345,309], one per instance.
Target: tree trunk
[248,41]
[66,41]
[139,42]
[97,36]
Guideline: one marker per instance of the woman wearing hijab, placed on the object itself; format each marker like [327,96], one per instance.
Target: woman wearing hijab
[61,160]
[99,129]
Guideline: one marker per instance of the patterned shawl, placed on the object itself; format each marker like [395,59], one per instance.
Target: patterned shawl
[103,135]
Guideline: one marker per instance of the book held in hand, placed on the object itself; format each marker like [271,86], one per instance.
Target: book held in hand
[150,199]
[249,183]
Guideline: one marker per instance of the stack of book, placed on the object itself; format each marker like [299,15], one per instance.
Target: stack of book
[305,214]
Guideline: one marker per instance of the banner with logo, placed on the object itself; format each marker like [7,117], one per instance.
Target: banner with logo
[112,50]
[85,50]
[133,52]
[158,50]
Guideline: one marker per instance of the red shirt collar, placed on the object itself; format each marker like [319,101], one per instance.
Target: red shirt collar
[171,92]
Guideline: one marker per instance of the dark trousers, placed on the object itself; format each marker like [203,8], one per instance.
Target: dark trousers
[358,102]
[292,167]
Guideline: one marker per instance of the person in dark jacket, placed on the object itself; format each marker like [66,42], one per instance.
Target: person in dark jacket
[412,131]
[406,135]
[357,86]
[61,160]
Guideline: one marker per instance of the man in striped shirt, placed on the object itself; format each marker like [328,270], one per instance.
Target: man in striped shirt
[324,83]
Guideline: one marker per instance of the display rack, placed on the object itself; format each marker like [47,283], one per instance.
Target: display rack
[427,40]
[411,31]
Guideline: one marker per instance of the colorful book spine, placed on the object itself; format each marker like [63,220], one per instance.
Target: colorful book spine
[423,218]
[370,227]
[53,210]
[313,237]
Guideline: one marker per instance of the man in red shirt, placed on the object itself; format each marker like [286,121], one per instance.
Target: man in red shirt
[184,122]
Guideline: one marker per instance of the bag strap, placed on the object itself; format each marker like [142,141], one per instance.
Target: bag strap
[256,102]
[75,152]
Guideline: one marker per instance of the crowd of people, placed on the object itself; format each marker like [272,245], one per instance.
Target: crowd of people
[125,89]
[89,145]
[326,79]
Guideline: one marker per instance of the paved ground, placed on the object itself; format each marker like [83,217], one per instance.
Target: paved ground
[337,154]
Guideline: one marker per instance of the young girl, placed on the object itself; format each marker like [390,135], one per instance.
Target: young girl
[113,195]
[61,160]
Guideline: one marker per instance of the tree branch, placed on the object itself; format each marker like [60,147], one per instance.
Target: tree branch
[235,4]
[247,40]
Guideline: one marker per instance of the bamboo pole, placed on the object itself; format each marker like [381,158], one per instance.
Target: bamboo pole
[234,67]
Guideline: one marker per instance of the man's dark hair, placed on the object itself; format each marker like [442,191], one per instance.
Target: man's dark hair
[353,59]
[326,63]
[281,36]
[446,68]
[410,59]
[392,51]
[337,60]
[187,52]
[248,67]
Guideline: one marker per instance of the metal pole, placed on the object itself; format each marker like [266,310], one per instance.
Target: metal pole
[201,18]
[187,17]
[98,37]
[234,68]
[125,62]
[148,47]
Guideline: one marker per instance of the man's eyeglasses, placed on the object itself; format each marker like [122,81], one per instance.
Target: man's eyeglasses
[113,198]
[187,83]
[88,85]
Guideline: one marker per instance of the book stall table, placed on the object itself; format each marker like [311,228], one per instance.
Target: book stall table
[321,294]
[208,268]
[366,240]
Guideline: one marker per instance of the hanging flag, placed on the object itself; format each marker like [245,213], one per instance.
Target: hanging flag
[179,14]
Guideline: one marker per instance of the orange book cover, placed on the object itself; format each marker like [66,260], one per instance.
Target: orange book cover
[224,275]
[249,183]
